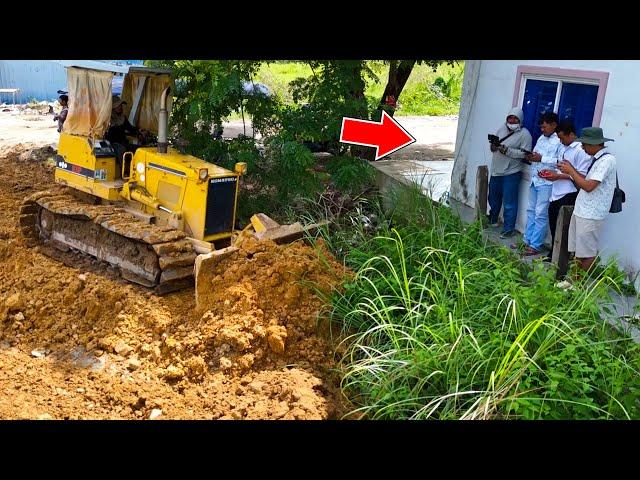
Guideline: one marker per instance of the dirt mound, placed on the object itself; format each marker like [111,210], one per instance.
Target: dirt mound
[77,341]
[29,152]
[39,154]
[262,312]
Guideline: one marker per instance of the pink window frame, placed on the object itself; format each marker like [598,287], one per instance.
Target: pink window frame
[601,77]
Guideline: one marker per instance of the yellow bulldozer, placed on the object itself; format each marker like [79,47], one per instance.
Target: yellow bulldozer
[150,211]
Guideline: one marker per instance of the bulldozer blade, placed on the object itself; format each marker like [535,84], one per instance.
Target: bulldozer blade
[262,223]
[205,270]
[289,233]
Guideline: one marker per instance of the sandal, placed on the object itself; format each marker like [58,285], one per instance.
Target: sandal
[520,246]
[531,251]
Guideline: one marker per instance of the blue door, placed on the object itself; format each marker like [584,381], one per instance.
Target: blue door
[539,97]
[578,103]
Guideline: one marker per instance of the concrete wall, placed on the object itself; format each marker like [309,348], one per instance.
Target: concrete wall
[483,107]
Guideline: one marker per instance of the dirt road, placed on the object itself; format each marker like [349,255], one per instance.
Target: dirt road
[435,136]
[77,342]
[25,129]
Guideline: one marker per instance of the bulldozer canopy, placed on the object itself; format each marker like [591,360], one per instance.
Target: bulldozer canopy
[148,109]
[89,102]
[90,99]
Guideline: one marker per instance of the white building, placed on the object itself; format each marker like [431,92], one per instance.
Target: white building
[602,93]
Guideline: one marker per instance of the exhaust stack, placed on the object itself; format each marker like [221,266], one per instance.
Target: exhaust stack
[162,122]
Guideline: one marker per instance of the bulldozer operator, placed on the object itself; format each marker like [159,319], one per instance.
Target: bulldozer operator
[119,127]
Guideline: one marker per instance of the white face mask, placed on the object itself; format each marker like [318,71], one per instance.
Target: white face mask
[513,126]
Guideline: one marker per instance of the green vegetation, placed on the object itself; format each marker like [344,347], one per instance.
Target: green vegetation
[281,171]
[278,75]
[350,175]
[426,93]
[441,325]
[436,322]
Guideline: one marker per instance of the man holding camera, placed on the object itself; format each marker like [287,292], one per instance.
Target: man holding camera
[506,170]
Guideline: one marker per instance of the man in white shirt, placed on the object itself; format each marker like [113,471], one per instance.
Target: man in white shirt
[544,156]
[564,191]
[594,199]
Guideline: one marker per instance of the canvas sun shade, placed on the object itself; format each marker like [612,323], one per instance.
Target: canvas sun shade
[149,108]
[89,102]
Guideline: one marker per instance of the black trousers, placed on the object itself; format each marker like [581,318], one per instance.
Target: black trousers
[554,211]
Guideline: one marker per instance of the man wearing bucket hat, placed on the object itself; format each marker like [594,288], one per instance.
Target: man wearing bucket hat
[594,199]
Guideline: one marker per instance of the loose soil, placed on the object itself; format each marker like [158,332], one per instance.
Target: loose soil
[78,342]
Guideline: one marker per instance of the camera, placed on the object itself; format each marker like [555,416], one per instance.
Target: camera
[494,140]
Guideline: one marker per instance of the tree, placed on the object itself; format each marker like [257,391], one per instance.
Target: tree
[207,92]
[399,73]
[333,91]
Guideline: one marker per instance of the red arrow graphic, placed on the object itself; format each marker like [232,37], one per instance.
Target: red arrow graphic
[387,136]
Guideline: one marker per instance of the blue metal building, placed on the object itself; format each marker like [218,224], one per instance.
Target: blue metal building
[41,79]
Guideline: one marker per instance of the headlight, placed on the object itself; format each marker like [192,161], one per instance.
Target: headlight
[240,168]
[203,173]
[140,168]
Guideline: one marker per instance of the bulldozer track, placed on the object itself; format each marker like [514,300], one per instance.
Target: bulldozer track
[154,256]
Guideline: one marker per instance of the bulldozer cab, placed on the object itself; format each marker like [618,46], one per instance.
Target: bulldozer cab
[91,97]
[142,90]
[91,110]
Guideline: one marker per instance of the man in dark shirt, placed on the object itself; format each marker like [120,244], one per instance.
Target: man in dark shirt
[119,127]
[62,116]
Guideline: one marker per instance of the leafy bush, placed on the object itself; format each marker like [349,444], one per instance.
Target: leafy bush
[277,177]
[350,174]
[428,100]
[334,90]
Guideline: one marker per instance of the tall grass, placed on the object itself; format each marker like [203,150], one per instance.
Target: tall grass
[438,324]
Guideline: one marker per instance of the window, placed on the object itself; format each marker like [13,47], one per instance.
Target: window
[571,98]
